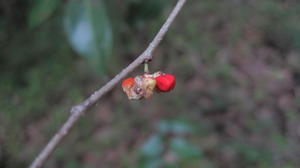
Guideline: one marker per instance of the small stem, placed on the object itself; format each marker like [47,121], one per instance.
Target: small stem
[146,67]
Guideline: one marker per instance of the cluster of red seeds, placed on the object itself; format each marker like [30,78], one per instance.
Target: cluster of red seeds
[143,86]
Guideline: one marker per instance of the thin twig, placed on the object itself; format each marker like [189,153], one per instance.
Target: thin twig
[79,110]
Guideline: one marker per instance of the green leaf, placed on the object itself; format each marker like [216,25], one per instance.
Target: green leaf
[40,11]
[153,147]
[183,149]
[89,31]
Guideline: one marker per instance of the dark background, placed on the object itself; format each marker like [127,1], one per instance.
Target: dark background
[236,103]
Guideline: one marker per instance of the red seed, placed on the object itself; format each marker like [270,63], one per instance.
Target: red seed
[128,82]
[165,83]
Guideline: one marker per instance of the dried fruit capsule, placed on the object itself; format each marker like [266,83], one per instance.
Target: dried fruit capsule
[139,87]
[165,83]
[131,89]
[149,85]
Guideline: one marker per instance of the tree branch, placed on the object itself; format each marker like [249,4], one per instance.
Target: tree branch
[79,110]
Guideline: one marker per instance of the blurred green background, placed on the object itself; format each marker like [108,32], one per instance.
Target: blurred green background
[236,103]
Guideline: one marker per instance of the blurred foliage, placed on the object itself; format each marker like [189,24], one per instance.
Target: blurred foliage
[141,11]
[169,147]
[40,11]
[89,31]
[236,103]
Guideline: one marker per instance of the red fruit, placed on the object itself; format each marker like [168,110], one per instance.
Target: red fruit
[165,83]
